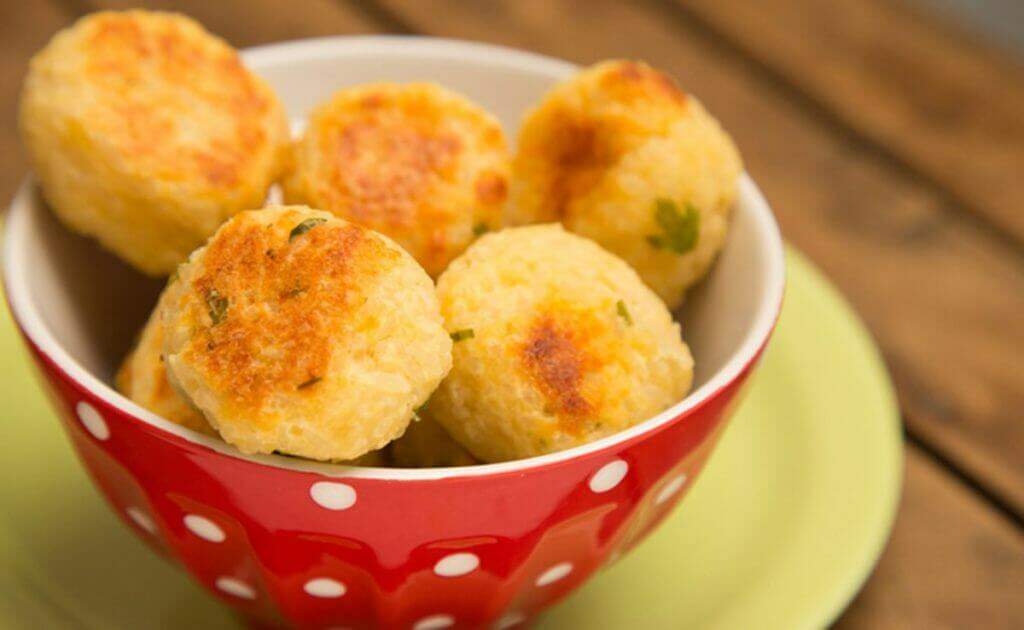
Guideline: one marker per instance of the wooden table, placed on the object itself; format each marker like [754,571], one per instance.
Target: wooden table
[892,148]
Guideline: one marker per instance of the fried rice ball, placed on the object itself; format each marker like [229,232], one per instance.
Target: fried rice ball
[143,378]
[299,332]
[425,444]
[557,343]
[147,132]
[621,155]
[416,162]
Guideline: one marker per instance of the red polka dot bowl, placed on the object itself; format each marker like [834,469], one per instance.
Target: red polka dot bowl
[288,542]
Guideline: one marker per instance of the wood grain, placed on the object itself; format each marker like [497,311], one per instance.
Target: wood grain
[951,562]
[255,22]
[937,101]
[24,28]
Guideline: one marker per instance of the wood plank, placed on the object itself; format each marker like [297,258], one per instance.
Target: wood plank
[26,27]
[951,562]
[943,103]
[942,295]
[254,22]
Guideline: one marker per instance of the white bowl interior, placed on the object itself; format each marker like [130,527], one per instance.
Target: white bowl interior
[84,306]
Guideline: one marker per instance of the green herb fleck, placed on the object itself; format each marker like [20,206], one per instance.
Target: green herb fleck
[419,410]
[480,229]
[461,335]
[304,227]
[623,312]
[218,306]
[311,382]
[679,230]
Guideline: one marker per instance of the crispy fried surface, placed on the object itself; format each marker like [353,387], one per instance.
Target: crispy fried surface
[286,293]
[552,362]
[302,333]
[154,76]
[146,132]
[557,354]
[603,147]
[416,162]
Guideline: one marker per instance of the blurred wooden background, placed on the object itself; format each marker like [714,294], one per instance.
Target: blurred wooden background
[890,142]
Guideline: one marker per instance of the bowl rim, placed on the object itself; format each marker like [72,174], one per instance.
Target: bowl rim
[44,342]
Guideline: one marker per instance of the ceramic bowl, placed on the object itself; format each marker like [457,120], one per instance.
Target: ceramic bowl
[291,542]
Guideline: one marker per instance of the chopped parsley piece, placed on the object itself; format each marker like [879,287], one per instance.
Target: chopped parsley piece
[620,308]
[480,229]
[304,227]
[217,305]
[679,229]
[311,382]
[460,335]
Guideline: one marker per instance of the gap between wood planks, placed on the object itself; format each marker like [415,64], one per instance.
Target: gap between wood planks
[964,477]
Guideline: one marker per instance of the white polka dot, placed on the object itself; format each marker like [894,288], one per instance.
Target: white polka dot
[457,564]
[554,574]
[324,587]
[238,588]
[333,496]
[435,622]
[204,528]
[609,476]
[670,489]
[141,519]
[509,621]
[92,420]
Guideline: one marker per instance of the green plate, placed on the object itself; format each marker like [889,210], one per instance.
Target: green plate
[780,531]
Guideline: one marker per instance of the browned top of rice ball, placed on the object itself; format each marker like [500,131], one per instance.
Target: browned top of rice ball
[133,60]
[585,125]
[303,290]
[416,162]
[299,332]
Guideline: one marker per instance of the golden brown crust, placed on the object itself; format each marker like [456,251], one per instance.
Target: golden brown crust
[491,188]
[415,162]
[125,50]
[628,80]
[580,130]
[607,148]
[146,132]
[551,362]
[300,288]
[557,360]
[298,332]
